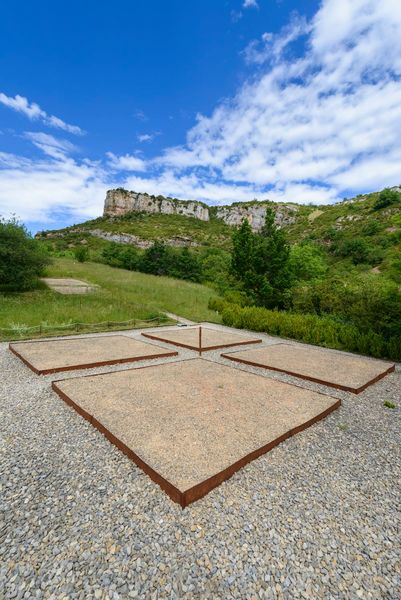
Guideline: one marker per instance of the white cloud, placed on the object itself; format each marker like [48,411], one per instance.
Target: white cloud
[126,162]
[250,4]
[39,190]
[54,147]
[145,137]
[313,126]
[34,112]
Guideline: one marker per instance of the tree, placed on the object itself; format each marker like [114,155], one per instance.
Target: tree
[22,259]
[260,262]
[185,265]
[156,259]
[243,253]
[307,262]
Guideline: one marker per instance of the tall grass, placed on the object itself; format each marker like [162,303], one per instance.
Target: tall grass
[121,295]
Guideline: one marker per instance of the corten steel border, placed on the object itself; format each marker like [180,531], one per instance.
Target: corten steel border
[102,363]
[199,490]
[338,386]
[198,348]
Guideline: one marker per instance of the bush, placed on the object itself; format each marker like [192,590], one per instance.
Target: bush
[312,329]
[386,198]
[81,254]
[22,259]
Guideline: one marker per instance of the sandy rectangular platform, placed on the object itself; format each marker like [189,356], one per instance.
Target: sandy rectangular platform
[209,339]
[334,369]
[191,424]
[67,285]
[51,356]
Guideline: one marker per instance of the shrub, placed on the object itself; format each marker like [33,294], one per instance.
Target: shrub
[81,254]
[22,259]
[309,328]
[386,198]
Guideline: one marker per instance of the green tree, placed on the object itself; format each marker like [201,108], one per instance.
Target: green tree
[271,264]
[243,254]
[307,262]
[185,265]
[22,259]
[156,260]
[260,262]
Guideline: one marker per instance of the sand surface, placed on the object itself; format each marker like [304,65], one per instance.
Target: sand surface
[58,355]
[210,338]
[190,420]
[332,368]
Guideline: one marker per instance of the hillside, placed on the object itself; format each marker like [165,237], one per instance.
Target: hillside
[352,234]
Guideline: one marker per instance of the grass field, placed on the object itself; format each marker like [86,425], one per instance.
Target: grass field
[122,295]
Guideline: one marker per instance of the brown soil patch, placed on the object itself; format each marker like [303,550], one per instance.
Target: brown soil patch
[191,424]
[82,353]
[335,369]
[209,339]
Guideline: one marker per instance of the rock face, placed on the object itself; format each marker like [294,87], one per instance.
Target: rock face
[233,215]
[120,202]
[133,240]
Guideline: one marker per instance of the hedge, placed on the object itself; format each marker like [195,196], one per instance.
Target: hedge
[312,329]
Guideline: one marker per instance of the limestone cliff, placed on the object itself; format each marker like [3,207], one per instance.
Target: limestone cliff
[119,202]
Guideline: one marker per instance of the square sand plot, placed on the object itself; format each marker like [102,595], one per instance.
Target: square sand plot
[66,285]
[83,353]
[342,371]
[192,424]
[210,339]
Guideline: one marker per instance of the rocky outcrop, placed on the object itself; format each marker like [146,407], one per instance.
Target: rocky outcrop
[234,215]
[120,202]
[133,240]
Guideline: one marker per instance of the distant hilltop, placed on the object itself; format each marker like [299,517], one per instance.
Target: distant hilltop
[119,202]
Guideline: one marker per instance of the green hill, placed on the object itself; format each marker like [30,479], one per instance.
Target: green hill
[352,234]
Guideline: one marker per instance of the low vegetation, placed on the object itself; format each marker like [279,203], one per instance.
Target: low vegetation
[122,295]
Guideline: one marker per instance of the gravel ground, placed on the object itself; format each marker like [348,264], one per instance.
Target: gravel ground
[317,517]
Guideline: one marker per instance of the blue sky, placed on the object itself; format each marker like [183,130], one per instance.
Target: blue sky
[219,100]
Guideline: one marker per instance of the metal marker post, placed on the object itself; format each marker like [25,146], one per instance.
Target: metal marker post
[200,340]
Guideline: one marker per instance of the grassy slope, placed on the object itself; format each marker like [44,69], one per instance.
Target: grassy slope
[153,227]
[122,295]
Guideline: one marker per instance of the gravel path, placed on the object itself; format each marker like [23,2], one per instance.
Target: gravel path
[317,517]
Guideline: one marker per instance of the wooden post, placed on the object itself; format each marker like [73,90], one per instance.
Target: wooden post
[200,340]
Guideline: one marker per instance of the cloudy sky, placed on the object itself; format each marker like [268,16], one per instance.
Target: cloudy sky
[219,100]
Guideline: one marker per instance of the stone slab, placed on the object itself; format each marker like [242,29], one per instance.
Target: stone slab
[210,339]
[329,367]
[67,285]
[51,356]
[191,424]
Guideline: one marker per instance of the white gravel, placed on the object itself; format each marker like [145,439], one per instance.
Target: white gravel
[317,517]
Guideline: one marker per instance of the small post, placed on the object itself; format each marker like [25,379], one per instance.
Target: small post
[200,340]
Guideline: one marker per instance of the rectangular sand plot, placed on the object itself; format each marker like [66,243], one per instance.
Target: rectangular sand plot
[345,372]
[191,424]
[201,338]
[82,353]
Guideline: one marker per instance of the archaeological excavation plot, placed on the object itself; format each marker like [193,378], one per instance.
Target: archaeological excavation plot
[51,356]
[191,424]
[66,285]
[201,338]
[335,369]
